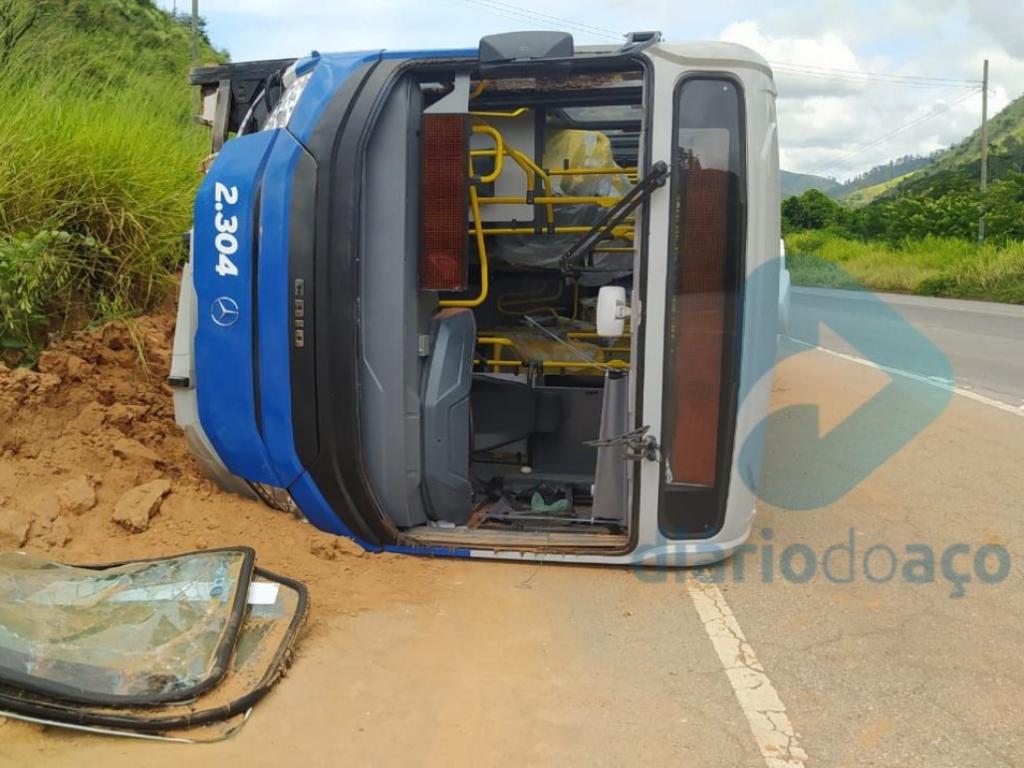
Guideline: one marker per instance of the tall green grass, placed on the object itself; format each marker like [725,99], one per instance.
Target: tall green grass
[932,266]
[98,168]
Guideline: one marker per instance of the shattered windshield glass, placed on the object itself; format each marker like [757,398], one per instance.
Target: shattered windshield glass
[140,633]
[276,611]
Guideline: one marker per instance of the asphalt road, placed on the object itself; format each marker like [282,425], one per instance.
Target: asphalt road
[869,659]
[983,342]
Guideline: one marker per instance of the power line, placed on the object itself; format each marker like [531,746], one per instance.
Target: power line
[514,11]
[836,72]
[810,70]
[945,107]
[941,110]
[781,69]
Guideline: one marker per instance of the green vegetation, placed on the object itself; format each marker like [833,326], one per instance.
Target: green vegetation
[917,233]
[98,162]
[950,211]
[930,266]
[864,187]
[857,198]
[913,243]
[1006,153]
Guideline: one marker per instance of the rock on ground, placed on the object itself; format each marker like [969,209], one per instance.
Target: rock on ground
[127,448]
[135,508]
[14,525]
[76,495]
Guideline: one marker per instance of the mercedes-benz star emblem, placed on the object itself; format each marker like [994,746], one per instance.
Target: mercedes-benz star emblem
[224,311]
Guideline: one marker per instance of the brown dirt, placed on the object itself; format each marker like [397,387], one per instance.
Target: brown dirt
[96,421]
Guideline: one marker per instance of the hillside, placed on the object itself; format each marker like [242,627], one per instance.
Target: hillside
[99,162]
[866,186]
[859,190]
[861,196]
[960,165]
[797,183]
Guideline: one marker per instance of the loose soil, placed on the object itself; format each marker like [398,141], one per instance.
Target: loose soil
[91,435]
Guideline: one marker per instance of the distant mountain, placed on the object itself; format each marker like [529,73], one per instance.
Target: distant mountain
[959,167]
[953,168]
[874,181]
[866,186]
[797,183]
[857,198]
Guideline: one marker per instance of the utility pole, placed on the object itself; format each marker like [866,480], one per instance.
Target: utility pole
[196,35]
[984,149]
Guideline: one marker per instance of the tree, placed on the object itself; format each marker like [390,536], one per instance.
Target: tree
[812,210]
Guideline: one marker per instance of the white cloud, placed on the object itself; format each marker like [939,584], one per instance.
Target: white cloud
[822,119]
[844,123]
[1003,20]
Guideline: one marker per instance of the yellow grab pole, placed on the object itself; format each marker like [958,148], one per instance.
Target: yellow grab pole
[590,171]
[498,152]
[478,89]
[605,202]
[513,113]
[481,248]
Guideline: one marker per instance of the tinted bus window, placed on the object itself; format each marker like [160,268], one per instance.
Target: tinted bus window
[705,267]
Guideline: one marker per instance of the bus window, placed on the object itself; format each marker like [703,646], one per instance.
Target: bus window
[704,273]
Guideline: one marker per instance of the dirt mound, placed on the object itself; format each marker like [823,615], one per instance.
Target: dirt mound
[94,469]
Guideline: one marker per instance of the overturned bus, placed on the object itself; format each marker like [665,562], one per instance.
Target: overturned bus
[492,302]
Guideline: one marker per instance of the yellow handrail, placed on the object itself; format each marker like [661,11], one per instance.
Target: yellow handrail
[513,113]
[532,170]
[497,342]
[620,364]
[498,152]
[501,341]
[604,202]
[481,248]
[590,171]
[478,89]
[557,364]
[617,232]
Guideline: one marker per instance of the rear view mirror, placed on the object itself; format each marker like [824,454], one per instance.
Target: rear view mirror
[612,311]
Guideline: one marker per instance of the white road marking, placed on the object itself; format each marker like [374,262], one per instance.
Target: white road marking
[758,698]
[940,383]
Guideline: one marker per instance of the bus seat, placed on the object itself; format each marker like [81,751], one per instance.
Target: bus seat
[445,387]
[504,411]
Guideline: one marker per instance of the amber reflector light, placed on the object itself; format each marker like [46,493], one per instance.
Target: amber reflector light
[700,325]
[444,175]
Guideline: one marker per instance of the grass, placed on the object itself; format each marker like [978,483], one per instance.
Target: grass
[98,168]
[931,266]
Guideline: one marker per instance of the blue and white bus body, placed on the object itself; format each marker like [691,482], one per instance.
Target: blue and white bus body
[285,373]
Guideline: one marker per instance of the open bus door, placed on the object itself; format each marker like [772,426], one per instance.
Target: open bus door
[705,323]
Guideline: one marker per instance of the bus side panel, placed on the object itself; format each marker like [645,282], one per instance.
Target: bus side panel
[223,244]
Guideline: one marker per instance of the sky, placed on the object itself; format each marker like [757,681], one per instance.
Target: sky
[884,103]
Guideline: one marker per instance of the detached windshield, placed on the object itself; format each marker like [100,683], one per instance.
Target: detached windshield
[138,633]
